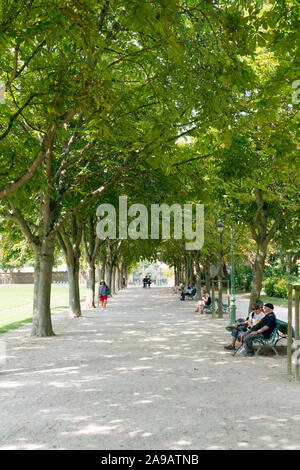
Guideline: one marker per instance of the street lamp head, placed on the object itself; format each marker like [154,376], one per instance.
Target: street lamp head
[220,226]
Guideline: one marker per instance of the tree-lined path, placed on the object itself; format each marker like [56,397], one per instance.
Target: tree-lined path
[147,373]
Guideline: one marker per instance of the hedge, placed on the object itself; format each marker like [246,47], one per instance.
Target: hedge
[278,287]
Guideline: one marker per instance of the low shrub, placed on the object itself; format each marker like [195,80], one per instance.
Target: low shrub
[278,287]
[269,286]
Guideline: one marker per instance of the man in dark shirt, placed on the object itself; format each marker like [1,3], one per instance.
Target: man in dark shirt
[263,329]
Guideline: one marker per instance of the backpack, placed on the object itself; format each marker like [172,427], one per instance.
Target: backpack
[107,290]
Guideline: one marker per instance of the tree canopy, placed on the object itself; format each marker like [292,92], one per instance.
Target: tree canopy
[175,101]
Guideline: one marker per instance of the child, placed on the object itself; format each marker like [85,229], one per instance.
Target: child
[103,292]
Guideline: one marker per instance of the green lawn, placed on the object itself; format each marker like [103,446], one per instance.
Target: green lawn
[278,301]
[16,303]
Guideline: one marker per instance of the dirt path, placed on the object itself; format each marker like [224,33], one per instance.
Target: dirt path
[147,373]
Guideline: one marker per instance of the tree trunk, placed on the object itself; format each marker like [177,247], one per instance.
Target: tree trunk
[198,276]
[37,267]
[70,243]
[120,275]
[90,244]
[258,271]
[180,273]
[109,278]
[90,285]
[107,275]
[74,291]
[102,272]
[220,279]
[42,325]
[113,282]
[193,277]
[175,273]
[98,274]
[207,274]
[220,296]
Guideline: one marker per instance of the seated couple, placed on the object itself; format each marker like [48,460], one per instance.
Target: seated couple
[259,324]
[205,302]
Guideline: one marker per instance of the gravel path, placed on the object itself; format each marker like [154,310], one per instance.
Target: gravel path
[147,373]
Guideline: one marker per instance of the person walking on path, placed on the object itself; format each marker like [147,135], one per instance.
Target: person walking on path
[103,291]
[263,329]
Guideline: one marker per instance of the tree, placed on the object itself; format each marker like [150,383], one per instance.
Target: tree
[117,88]
[69,237]
[91,244]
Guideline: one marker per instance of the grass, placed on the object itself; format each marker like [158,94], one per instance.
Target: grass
[278,301]
[16,324]
[16,302]
[275,301]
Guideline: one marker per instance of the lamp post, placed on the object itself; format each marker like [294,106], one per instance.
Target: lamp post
[220,228]
[232,298]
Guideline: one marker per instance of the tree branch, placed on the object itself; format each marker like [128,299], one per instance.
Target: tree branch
[102,15]
[17,216]
[27,174]
[193,159]
[14,116]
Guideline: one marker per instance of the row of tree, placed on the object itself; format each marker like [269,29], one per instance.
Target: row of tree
[181,101]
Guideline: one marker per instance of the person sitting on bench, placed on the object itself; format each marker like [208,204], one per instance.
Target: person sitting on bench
[263,329]
[206,301]
[188,291]
[242,326]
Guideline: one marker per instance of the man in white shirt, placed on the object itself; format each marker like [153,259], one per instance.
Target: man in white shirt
[241,326]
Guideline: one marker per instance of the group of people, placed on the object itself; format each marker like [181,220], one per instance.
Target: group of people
[147,281]
[186,291]
[259,324]
[183,290]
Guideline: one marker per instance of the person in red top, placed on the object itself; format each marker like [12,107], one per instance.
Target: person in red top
[102,292]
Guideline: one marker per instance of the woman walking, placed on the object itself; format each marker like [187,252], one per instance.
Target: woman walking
[103,292]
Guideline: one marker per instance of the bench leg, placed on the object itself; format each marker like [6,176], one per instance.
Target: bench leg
[273,348]
[259,349]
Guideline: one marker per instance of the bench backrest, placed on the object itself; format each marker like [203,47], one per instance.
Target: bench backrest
[274,333]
